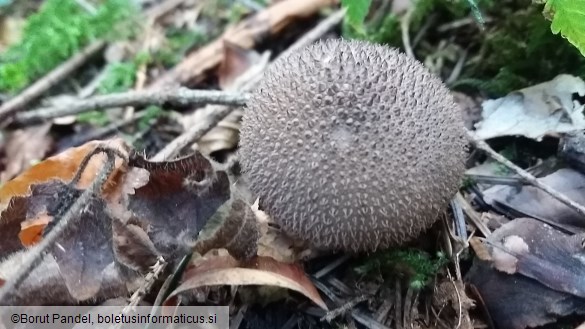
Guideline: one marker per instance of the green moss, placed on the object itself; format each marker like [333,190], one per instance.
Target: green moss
[94,118]
[179,41]
[151,113]
[415,265]
[56,32]
[519,52]
[384,28]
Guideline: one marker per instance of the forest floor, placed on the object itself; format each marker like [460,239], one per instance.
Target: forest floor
[97,96]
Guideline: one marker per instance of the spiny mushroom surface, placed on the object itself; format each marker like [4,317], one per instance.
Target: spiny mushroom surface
[352,146]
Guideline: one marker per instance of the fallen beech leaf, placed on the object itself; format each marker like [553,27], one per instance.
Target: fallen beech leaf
[536,111]
[178,200]
[85,249]
[45,284]
[132,246]
[25,146]
[225,270]
[224,136]
[236,60]
[63,167]
[32,229]
[234,229]
[245,34]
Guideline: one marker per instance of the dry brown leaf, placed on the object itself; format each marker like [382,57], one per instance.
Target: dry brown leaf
[236,231]
[246,34]
[225,270]
[111,237]
[273,243]
[178,200]
[31,231]
[236,61]
[18,204]
[63,167]
[544,109]
[547,282]
[25,146]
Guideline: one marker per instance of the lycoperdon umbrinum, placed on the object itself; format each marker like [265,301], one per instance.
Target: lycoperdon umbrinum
[352,146]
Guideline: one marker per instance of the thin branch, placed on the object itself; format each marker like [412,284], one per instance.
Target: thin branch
[196,132]
[341,310]
[405,27]
[179,96]
[149,281]
[526,176]
[64,70]
[52,78]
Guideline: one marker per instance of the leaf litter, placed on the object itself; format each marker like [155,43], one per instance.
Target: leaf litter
[524,267]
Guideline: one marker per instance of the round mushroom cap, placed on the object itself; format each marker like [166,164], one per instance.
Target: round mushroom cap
[352,146]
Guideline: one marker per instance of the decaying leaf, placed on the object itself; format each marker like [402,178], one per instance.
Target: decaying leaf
[236,61]
[273,243]
[63,167]
[226,270]
[178,200]
[505,259]
[31,231]
[46,286]
[23,147]
[145,209]
[548,280]
[17,204]
[543,109]
[534,201]
[451,294]
[237,64]
[234,229]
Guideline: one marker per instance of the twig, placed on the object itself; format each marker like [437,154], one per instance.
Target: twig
[100,133]
[316,33]
[245,34]
[56,75]
[180,96]
[62,71]
[525,175]
[196,132]
[344,308]
[405,27]
[36,254]
[148,282]
[359,316]
[331,266]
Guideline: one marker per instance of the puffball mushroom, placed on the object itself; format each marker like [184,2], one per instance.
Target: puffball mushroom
[352,146]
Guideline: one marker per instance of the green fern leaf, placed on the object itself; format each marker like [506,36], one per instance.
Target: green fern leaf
[568,18]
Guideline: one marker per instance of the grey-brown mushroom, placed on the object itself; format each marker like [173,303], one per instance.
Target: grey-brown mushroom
[352,146]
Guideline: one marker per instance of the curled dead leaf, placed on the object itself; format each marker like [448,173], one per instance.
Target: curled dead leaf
[226,270]
[236,231]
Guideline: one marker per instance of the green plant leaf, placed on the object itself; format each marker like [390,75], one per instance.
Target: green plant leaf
[356,10]
[568,18]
